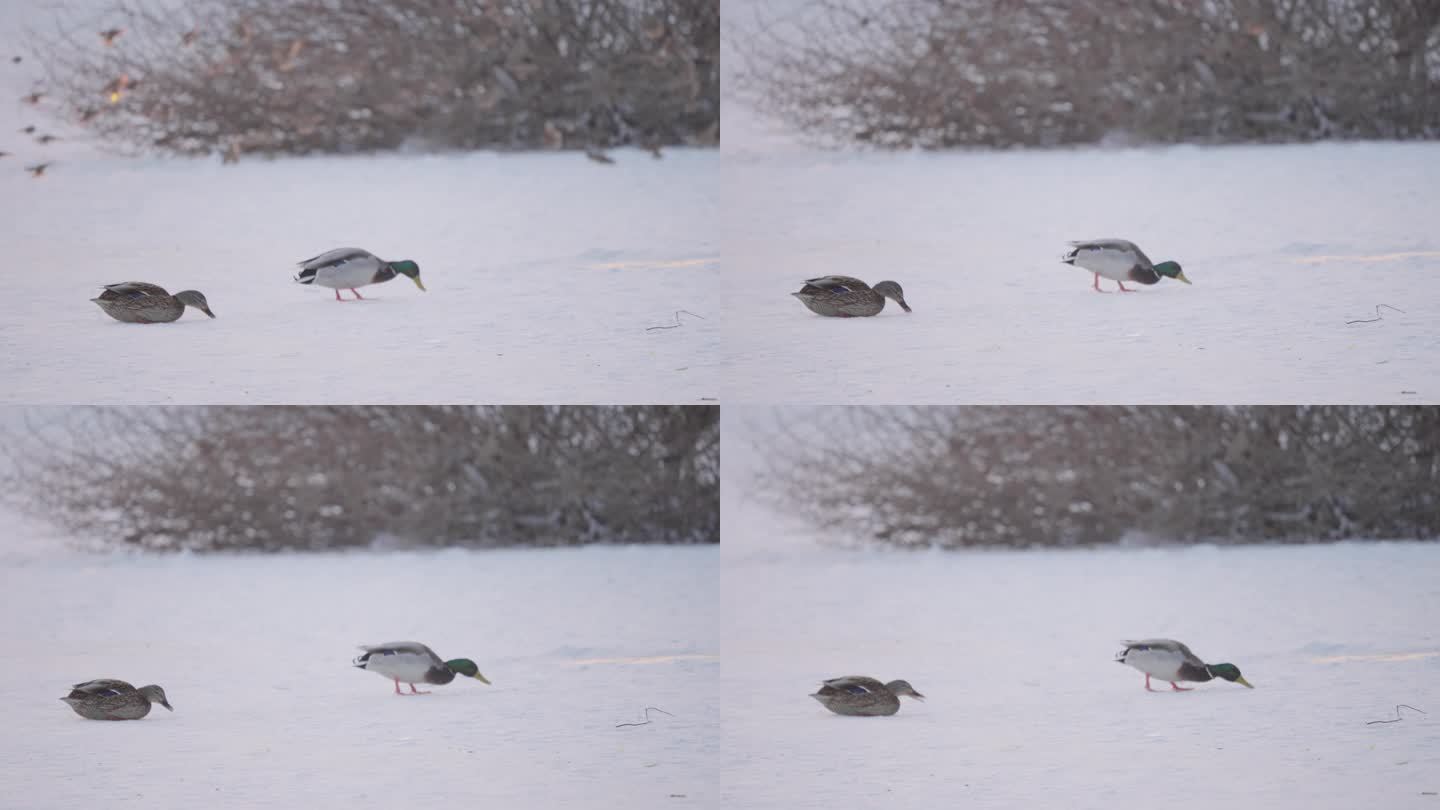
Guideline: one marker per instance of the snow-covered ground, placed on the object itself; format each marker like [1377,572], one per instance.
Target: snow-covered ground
[1025,707]
[254,653]
[544,271]
[1284,244]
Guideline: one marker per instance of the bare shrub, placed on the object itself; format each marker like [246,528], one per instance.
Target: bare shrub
[1040,476]
[949,73]
[273,478]
[298,76]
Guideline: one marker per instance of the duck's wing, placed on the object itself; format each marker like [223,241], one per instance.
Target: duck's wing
[101,687]
[1163,644]
[133,289]
[854,685]
[1190,657]
[401,648]
[1104,244]
[834,284]
[1120,246]
[337,257]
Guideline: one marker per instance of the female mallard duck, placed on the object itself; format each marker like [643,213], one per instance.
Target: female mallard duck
[348,268]
[1169,660]
[1120,261]
[846,297]
[109,699]
[138,302]
[859,696]
[413,662]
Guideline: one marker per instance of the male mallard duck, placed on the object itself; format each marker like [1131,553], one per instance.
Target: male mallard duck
[109,699]
[348,268]
[1120,261]
[846,297]
[859,696]
[413,662]
[1169,660]
[138,302]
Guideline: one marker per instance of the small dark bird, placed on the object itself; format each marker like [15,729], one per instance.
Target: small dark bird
[30,130]
[654,28]
[110,34]
[38,169]
[46,139]
[15,60]
[598,156]
[119,85]
[33,98]
[4,154]
[189,38]
[552,136]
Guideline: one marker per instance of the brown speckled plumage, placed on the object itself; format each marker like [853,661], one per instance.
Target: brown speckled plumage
[139,302]
[846,297]
[111,699]
[859,696]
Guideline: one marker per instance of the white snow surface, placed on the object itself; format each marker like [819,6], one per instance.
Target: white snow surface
[544,270]
[1284,244]
[1026,708]
[255,654]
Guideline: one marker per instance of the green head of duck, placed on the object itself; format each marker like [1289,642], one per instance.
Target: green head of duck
[410,270]
[464,666]
[1231,673]
[1171,270]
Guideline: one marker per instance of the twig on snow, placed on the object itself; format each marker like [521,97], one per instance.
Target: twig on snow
[1378,316]
[677,320]
[646,721]
[1398,707]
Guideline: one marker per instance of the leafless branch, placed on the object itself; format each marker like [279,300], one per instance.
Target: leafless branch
[950,73]
[296,76]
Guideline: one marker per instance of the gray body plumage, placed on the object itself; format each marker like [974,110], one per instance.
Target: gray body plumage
[1164,658]
[408,661]
[1121,261]
[860,696]
[111,699]
[1115,259]
[348,268]
[139,302]
[1172,661]
[344,268]
[847,297]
